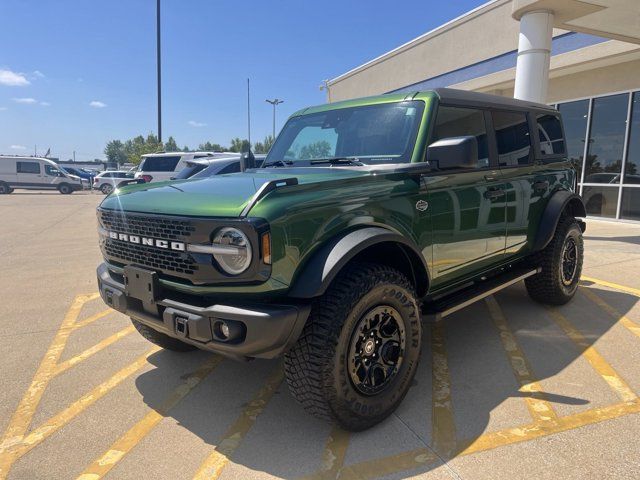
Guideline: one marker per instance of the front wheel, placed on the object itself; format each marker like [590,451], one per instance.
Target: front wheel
[561,263]
[65,189]
[358,353]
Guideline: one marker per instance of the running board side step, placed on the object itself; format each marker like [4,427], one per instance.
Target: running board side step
[436,311]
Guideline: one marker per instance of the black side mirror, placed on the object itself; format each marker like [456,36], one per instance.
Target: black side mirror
[454,152]
[247,160]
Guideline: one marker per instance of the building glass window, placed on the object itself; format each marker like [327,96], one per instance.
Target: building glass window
[630,208]
[632,168]
[606,139]
[574,117]
[600,201]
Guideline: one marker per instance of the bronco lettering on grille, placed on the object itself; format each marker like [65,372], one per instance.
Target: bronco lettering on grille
[148,241]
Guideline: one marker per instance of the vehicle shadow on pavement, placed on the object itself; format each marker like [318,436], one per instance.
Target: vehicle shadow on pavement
[489,353]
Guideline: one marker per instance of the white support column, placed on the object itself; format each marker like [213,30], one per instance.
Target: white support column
[534,54]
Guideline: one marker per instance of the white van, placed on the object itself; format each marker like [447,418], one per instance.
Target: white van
[158,167]
[35,173]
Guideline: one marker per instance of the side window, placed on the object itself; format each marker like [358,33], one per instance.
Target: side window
[160,164]
[52,171]
[459,122]
[28,167]
[231,168]
[512,137]
[550,134]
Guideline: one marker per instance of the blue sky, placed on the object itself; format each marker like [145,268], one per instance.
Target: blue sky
[61,56]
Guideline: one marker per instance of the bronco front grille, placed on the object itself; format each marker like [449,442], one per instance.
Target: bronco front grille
[157,227]
[169,261]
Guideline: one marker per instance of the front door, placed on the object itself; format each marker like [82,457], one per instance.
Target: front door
[466,207]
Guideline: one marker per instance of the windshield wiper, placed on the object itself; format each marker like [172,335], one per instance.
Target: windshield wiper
[338,161]
[278,163]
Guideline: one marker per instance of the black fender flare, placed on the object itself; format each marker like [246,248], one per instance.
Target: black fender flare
[560,202]
[318,273]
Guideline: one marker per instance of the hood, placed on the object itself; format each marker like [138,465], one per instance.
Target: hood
[217,196]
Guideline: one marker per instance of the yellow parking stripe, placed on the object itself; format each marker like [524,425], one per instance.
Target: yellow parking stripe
[140,430]
[420,457]
[624,320]
[539,408]
[443,425]
[10,452]
[596,360]
[23,415]
[92,318]
[623,288]
[333,456]
[215,463]
[67,364]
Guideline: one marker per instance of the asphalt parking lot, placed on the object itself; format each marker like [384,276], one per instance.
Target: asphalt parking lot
[506,388]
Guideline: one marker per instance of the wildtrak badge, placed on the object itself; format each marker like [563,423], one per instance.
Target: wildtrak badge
[148,241]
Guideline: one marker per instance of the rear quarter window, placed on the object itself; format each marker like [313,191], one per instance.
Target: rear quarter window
[550,134]
[160,164]
[28,167]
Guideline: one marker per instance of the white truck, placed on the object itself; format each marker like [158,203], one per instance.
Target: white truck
[35,173]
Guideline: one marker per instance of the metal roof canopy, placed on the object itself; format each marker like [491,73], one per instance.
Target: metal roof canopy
[616,19]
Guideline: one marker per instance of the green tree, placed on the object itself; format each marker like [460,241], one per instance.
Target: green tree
[115,152]
[239,145]
[170,145]
[211,147]
[264,146]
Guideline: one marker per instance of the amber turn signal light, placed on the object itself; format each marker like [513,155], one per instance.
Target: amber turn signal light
[266,248]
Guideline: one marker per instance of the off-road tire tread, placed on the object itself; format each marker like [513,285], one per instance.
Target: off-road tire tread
[545,286]
[308,364]
[161,339]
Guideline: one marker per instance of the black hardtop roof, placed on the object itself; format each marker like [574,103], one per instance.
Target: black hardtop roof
[453,96]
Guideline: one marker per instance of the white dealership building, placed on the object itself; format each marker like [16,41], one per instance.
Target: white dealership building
[582,56]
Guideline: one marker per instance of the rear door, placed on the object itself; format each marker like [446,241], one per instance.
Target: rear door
[466,207]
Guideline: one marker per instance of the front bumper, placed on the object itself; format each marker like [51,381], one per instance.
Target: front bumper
[265,330]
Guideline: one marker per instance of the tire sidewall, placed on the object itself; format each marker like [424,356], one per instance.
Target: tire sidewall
[572,232]
[4,189]
[348,401]
[106,189]
[64,189]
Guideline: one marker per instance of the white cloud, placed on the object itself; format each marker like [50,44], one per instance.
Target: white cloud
[17,147]
[38,74]
[25,100]
[13,79]
[45,104]
[97,104]
[193,123]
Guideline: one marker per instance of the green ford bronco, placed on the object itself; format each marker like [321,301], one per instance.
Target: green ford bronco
[367,217]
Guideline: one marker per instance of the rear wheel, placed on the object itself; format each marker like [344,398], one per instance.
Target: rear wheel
[561,263]
[65,189]
[106,188]
[5,188]
[160,339]
[357,355]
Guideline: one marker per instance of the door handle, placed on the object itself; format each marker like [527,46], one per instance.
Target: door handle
[492,193]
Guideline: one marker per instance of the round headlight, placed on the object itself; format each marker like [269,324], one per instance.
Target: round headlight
[234,256]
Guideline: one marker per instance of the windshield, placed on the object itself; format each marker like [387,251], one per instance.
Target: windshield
[370,134]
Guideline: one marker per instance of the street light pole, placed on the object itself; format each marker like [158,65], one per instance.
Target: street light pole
[275,102]
[159,71]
